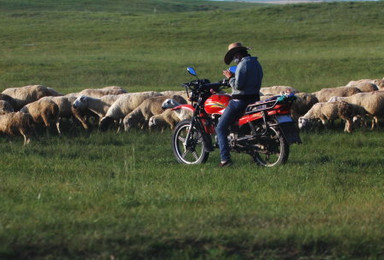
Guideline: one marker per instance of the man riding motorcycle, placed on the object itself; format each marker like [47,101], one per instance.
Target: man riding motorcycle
[245,84]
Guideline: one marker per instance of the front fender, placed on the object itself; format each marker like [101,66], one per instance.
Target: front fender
[184,106]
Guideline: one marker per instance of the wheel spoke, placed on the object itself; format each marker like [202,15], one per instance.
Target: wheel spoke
[184,154]
[194,153]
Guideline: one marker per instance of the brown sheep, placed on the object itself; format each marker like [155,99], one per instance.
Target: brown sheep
[65,108]
[169,118]
[149,107]
[302,104]
[43,111]
[329,111]
[5,107]
[124,105]
[27,94]
[9,99]
[14,123]
[164,120]
[325,94]
[372,102]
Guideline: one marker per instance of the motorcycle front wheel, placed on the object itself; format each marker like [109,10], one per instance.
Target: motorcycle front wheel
[188,145]
[271,149]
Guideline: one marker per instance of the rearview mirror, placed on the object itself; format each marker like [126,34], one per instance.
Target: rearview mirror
[192,71]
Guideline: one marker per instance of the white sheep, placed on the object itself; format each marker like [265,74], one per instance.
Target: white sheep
[367,87]
[140,116]
[28,94]
[372,102]
[85,105]
[14,123]
[170,103]
[97,93]
[99,106]
[43,111]
[329,111]
[124,105]
[73,95]
[378,82]
[325,94]
[53,92]
[278,90]
[170,93]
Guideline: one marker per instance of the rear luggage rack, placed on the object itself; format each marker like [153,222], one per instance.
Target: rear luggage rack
[261,105]
[269,103]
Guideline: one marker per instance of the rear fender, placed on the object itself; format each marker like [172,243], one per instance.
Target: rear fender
[290,133]
[288,128]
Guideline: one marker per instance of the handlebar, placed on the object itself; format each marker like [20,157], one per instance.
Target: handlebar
[205,84]
[202,87]
[215,85]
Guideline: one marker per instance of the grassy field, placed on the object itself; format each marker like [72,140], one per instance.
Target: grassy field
[123,196]
[305,46]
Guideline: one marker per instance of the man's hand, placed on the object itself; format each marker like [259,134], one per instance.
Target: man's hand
[228,74]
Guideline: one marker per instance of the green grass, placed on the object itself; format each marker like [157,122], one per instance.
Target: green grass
[123,196]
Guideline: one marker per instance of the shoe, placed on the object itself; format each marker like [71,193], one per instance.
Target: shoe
[226,163]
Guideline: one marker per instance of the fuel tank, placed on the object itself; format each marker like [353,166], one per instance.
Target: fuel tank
[216,104]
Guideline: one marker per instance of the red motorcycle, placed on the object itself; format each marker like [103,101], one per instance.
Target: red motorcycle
[265,131]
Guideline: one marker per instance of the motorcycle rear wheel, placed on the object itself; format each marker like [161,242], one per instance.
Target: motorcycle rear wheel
[188,144]
[271,149]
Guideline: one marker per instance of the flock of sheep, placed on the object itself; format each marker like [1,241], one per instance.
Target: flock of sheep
[354,103]
[25,109]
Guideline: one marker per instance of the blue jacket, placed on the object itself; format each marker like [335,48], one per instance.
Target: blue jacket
[248,77]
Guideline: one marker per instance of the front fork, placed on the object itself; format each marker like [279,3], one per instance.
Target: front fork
[197,125]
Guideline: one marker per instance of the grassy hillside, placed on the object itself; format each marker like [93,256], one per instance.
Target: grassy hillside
[102,195]
[306,46]
[133,7]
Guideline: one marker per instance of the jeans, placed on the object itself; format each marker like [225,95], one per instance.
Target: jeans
[231,114]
